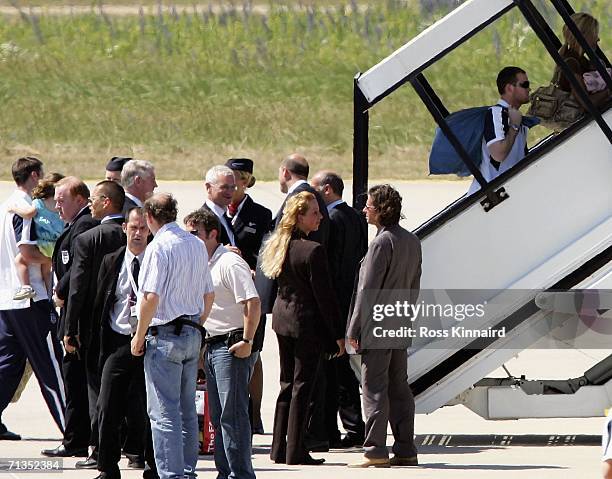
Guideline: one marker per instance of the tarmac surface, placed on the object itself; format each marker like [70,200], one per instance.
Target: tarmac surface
[453,441]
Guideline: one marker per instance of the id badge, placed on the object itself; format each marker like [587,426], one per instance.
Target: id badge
[65,256]
[133,313]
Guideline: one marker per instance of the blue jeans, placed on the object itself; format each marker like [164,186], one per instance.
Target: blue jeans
[227,381]
[171,367]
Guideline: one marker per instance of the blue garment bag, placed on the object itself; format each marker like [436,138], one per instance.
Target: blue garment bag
[468,127]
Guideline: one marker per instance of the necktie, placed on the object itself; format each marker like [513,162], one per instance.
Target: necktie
[135,272]
[232,209]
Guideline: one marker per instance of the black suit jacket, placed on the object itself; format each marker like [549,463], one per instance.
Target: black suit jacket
[223,236]
[322,234]
[266,287]
[348,243]
[128,204]
[89,250]
[62,259]
[306,306]
[105,296]
[250,226]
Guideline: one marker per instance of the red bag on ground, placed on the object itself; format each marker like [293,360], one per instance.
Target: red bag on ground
[207,431]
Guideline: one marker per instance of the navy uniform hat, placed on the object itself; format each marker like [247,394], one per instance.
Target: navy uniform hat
[116,163]
[242,164]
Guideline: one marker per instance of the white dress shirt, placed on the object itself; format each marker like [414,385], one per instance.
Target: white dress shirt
[295,185]
[134,199]
[333,204]
[121,319]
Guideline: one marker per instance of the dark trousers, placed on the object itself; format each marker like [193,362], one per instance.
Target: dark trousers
[387,398]
[299,360]
[336,392]
[93,375]
[135,422]
[121,372]
[342,397]
[78,425]
[319,427]
[31,333]
[348,399]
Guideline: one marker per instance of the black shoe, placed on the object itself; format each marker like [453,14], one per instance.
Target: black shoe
[135,462]
[90,463]
[9,436]
[311,461]
[104,475]
[316,445]
[350,441]
[61,451]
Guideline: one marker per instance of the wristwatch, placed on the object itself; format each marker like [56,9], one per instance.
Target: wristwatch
[248,341]
[515,127]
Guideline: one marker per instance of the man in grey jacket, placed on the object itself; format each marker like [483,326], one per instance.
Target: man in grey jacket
[392,264]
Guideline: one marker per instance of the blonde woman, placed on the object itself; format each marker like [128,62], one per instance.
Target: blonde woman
[576,59]
[306,319]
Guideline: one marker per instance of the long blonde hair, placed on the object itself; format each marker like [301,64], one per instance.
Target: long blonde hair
[588,26]
[276,246]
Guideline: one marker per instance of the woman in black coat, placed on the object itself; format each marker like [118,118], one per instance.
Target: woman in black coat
[306,319]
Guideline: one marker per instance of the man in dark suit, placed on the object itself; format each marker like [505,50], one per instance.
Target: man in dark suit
[348,243]
[72,197]
[81,335]
[220,185]
[292,177]
[114,309]
[138,180]
[392,263]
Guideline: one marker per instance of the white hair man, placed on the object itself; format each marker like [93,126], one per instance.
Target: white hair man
[138,180]
[220,185]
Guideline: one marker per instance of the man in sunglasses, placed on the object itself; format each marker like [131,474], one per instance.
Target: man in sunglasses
[504,141]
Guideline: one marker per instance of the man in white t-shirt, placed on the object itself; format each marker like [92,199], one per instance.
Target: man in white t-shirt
[504,141]
[27,327]
[229,361]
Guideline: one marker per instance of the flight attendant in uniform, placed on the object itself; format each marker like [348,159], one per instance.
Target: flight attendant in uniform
[250,222]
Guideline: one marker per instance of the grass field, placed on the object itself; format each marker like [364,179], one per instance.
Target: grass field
[187,90]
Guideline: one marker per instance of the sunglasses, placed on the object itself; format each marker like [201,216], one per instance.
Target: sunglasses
[194,232]
[524,84]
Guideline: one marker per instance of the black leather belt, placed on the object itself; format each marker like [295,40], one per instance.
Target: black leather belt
[178,324]
[230,338]
[217,339]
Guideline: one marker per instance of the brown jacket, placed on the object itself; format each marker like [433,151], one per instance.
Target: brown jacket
[306,305]
[393,262]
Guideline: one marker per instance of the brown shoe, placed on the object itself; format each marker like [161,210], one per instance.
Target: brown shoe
[404,461]
[372,462]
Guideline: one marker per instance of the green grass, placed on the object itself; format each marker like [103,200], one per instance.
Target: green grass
[229,3]
[188,91]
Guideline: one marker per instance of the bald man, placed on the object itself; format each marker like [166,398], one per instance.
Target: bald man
[293,179]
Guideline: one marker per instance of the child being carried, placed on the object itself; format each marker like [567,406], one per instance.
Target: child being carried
[48,226]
